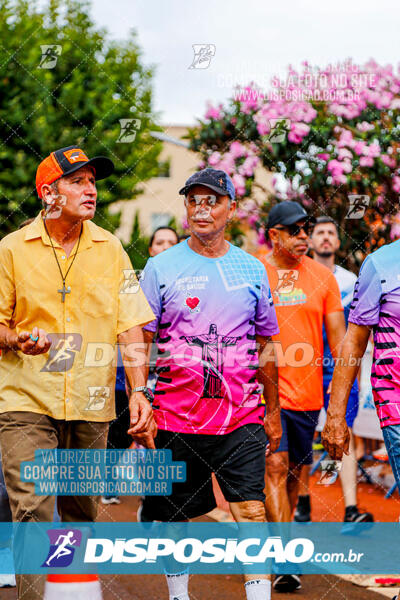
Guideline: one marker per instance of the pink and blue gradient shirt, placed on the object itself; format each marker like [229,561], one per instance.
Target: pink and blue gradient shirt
[209,311]
[376,303]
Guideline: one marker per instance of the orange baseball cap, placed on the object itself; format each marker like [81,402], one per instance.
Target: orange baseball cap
[67,160]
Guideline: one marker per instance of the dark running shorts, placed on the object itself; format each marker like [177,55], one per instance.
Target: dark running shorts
[236,458]
[298,428]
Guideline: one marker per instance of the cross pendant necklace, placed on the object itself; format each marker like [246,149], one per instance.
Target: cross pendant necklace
[65,290]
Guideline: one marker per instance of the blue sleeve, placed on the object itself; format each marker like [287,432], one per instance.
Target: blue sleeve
[120,380]
[265,319]
[151,289]
[365,307]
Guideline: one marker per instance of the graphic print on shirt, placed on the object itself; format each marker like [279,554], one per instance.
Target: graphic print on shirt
[285,289]
[209,312]
[192,303]
[189,285]
[212,356]
[62,351]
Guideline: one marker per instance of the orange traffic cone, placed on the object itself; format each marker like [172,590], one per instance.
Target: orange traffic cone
[72,587]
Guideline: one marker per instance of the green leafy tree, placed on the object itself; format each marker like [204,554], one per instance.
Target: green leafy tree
[76,92]
[138,247]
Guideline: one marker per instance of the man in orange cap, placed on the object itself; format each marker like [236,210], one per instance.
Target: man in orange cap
[61,292]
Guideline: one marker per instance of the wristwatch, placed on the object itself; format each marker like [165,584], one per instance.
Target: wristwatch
[146,391]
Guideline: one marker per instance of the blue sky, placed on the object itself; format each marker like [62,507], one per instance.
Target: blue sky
[254,39]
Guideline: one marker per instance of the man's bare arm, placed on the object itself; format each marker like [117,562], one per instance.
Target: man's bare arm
[134,357]
[335,436]
[267,375]
[335,327]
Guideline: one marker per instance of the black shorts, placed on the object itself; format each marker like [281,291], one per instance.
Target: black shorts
[236,458]
[298,428]
[117,433]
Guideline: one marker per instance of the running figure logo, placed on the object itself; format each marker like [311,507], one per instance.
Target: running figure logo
[357,206]
[212,345]
[131,285]
[50,54]
[287,279]
[129,128]
[62,547]
[203,54]
[98,396]
[279,129]
[62,352]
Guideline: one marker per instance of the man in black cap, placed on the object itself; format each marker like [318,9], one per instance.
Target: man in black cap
[214,315]
[62,291]
[305,295]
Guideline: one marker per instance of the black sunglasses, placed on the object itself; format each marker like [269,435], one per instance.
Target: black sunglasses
[295,229]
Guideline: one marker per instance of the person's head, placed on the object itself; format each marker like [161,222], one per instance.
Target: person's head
[162,239]
[325,237]
[66,183]
[288,228]
[210,202]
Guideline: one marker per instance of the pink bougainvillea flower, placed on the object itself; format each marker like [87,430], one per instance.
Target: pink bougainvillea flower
[239,183]
[213,112]
[388,161]
[366,161]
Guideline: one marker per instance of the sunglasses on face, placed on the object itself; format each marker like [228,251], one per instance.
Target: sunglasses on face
[198,199]
[295,229]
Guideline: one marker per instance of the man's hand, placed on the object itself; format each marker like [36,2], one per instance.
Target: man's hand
[143,428]
[335,437]
[273,429]
[33,343]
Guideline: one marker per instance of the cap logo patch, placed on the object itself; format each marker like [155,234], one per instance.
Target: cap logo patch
[75,155]
[221,181]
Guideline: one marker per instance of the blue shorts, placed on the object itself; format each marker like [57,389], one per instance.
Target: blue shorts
[352,404]
[391,437]
[298,428]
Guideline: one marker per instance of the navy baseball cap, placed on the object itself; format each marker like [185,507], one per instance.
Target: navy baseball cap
[287,212]
[218,181]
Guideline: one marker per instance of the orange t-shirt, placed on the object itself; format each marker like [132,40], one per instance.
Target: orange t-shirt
[302,297]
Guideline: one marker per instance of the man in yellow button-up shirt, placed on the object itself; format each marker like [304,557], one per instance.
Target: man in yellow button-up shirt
[68,295]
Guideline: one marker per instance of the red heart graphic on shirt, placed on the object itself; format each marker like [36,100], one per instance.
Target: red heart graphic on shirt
[192,302]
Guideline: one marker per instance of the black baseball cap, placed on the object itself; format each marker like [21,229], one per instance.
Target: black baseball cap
[67,160]
[215,179]
[287,212]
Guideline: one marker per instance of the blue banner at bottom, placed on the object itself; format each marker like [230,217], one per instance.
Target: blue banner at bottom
[209,548]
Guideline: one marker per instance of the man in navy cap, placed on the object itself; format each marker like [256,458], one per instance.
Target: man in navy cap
[306,295]
[214,315]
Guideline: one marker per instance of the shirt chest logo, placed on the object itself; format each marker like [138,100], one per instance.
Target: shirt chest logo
[286,280]
[192,303]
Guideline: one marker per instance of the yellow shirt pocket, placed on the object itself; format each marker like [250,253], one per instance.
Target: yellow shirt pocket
[99,296]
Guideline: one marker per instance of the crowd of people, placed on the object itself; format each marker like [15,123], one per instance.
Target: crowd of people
[242,353]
